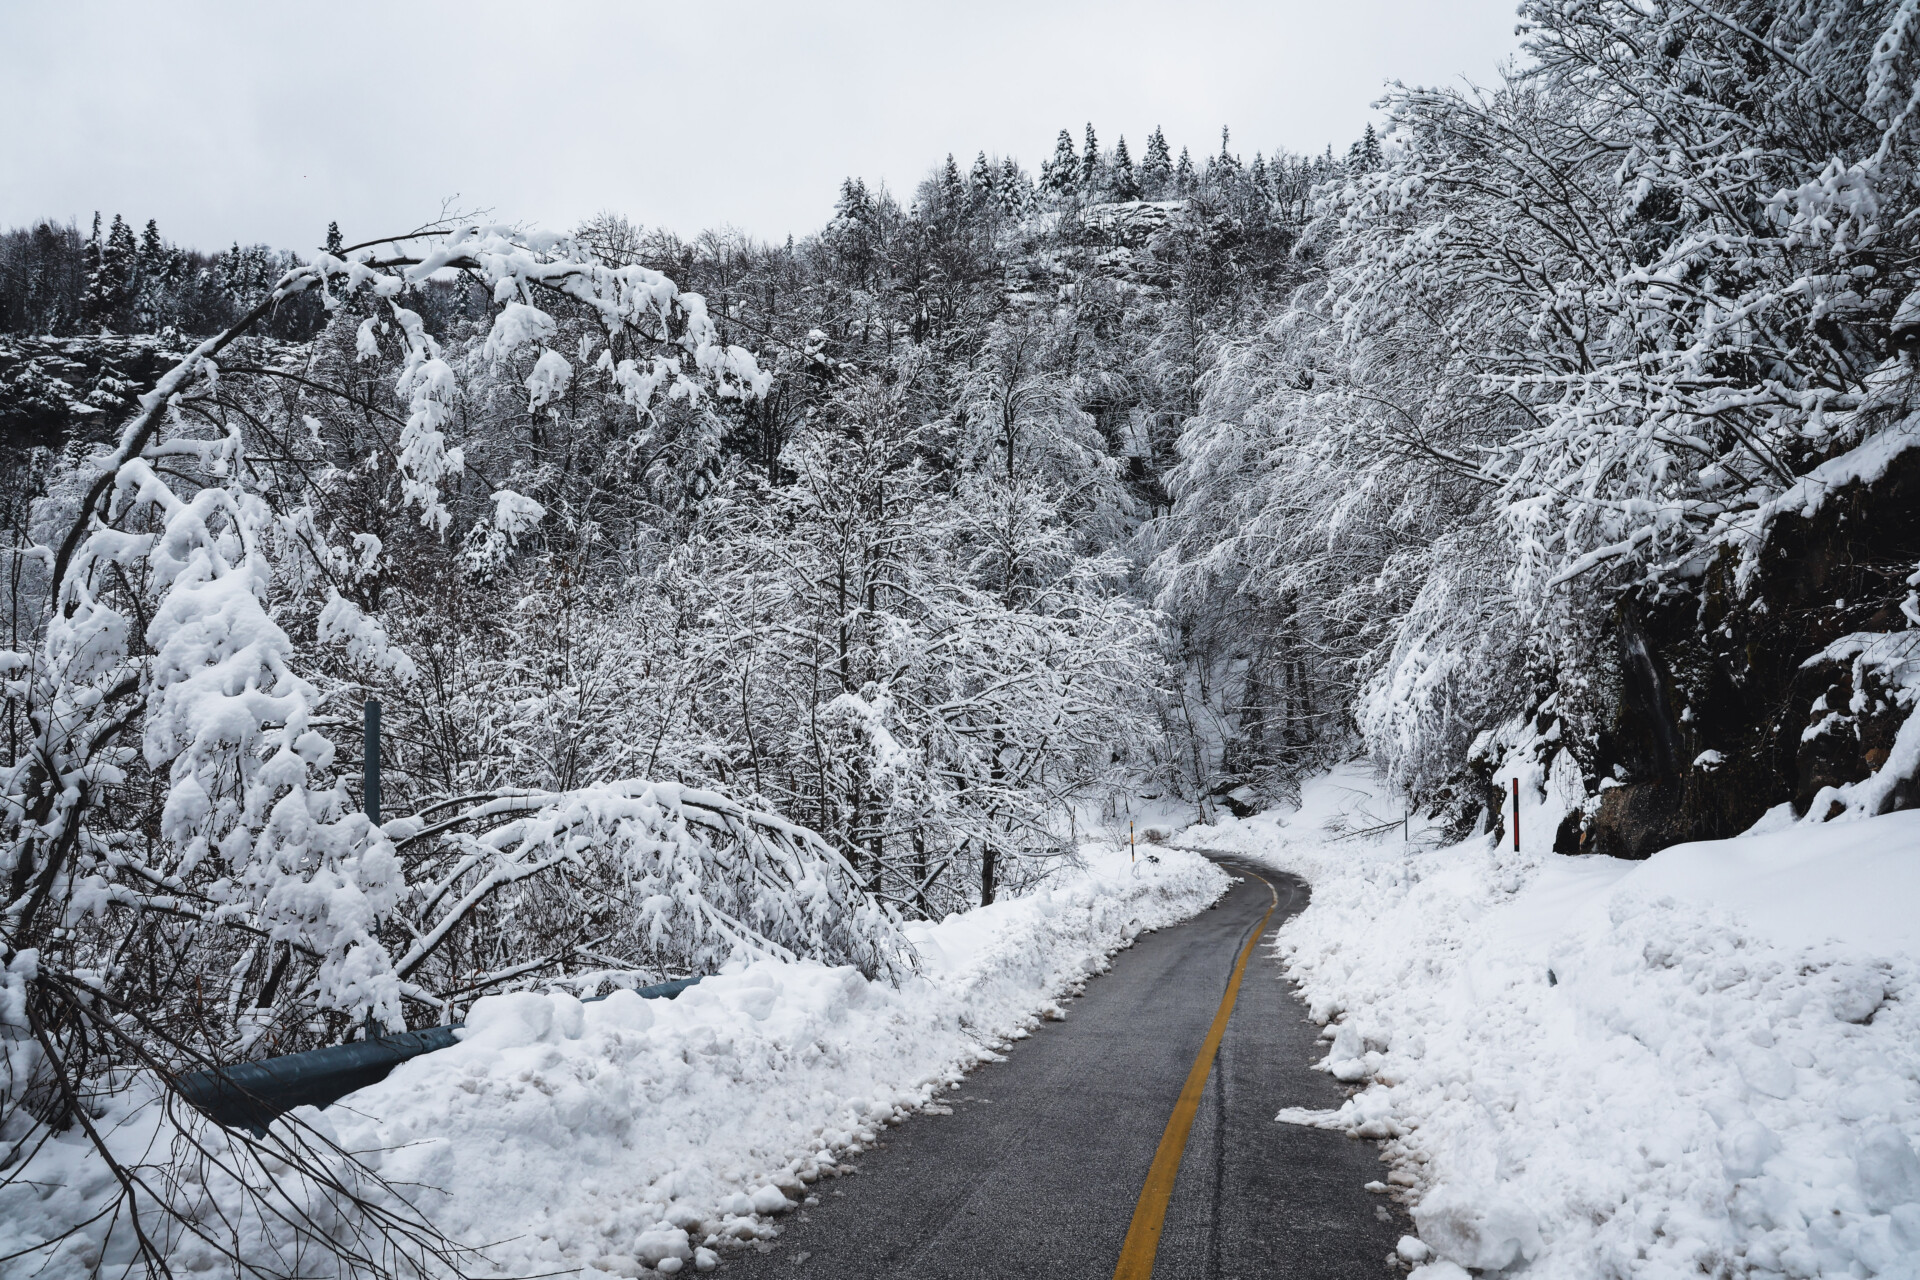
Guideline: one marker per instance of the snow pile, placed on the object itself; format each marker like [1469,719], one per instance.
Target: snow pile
[1707,1063]
[624,1133]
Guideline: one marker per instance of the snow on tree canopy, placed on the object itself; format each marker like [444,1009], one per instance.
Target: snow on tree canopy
[693,879]
[207,606]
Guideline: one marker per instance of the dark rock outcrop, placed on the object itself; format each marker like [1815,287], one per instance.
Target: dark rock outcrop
[1712,691]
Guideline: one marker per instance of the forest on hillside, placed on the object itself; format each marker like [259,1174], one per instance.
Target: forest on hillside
[728,596]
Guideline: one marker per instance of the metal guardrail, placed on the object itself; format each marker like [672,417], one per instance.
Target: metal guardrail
[248,1095]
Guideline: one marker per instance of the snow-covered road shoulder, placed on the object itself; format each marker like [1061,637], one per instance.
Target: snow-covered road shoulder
[1707,1063]
[610,1137]
[635,1133]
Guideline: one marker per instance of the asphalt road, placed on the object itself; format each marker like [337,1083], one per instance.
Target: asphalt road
[1038,1169]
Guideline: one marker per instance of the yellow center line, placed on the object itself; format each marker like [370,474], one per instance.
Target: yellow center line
[1150,1214]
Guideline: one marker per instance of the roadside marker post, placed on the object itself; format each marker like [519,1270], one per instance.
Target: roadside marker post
[1516,815]
[370,763]
[370,799]
[1132,854]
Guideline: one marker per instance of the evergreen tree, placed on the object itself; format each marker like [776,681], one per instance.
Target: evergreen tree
[953,192]
[152,276]
[1090,160]
[1126,186]
[117,266]
[1368,155]
[1183,173]
[1156,165]
[980,181]
[852,230]
[51,301]
[93,302]
[230,273]
[1060,176]
[1225,167]
[1012,188]
[854,205]
[334,242]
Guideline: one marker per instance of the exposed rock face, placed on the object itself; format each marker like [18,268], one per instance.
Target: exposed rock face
[1723,705]
[55,389]
[1133,223]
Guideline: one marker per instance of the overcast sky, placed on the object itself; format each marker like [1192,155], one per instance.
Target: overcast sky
[262,121]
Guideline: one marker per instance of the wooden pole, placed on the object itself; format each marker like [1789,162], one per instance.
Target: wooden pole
[1516,815]
[370,763]
[1131,855]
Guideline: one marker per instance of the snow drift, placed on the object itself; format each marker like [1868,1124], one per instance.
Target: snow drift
[1707,1063]
[625,1134]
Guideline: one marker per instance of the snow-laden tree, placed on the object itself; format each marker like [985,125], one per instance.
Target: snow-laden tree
[1672,244]
[188,876]
[929,675]
[1021,418]
[1584,327]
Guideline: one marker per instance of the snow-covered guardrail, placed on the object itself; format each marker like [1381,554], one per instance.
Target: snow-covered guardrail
[250,1094]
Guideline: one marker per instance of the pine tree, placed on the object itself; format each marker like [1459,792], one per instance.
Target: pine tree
[50,300]
[851,232]
[153,269]
[230,273]
[1183,173]
[334,242]
[1224,167]
[1012,188]
[1090,160]
[980,180]
[1156,166]
[953,192]
[117,266]
[854,205]
[1126,186]
[1060,176]
[93,301]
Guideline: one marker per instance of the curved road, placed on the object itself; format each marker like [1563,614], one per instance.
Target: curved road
[1038,1170]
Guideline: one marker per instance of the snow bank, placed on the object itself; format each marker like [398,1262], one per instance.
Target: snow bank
[625,1133]
[1707,1063]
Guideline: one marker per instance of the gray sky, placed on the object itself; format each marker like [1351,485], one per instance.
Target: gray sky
[263,120]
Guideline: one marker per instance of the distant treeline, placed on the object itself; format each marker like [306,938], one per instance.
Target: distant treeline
[56,279]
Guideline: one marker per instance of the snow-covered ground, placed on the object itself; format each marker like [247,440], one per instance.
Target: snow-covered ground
[607,1137]
[1704,1064]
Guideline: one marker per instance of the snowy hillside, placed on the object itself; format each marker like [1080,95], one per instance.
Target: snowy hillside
[1707,1063]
